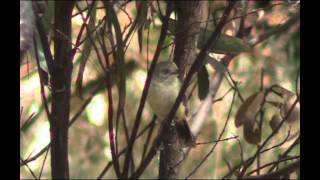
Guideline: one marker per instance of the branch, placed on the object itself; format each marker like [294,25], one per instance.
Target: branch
[31,172]
[277,174]
[144,95]
[277,30]
[219,139]
[123,151]
[267,139]
[199,61]
[215,141]
[272,163]
[61,91]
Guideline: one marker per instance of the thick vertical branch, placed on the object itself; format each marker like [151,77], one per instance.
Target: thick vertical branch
[196,65]
[60,83]
[187,32]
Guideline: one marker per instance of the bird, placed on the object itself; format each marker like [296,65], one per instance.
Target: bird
[163,91]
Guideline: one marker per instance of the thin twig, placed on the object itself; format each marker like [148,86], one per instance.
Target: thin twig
[277,174]
[235,85]
[125,126]
[277,30]
[143,99]
[30,170]
[296,142]
[84,19]
[267,139]
[272,163]
[72,121]
[241,151]
[44,160]
[147,142]
[42,91]
[219,138]
[112,138]
[25,162]
[123,151]
[26,121]
[280,144]
[215,141]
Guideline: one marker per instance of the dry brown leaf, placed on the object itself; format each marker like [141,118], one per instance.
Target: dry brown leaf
[275,121]
[288,99]
[252,133]
[285,93]
[249,109]
[285,108]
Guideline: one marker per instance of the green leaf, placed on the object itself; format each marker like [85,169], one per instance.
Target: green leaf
[203,83]
[225,45]
[141,20]
[142,14]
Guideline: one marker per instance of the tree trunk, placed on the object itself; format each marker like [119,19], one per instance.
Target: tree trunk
[60,83]
[187,32]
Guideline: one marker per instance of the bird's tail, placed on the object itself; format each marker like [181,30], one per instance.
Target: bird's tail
[186,138]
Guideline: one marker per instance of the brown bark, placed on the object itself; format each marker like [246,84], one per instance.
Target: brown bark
[60,83]
[187,32]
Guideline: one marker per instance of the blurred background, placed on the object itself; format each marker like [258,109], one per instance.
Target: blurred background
[89,150]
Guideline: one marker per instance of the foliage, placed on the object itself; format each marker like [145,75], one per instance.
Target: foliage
[248,78]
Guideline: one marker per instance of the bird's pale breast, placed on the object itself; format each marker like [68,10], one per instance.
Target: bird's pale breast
[161,97]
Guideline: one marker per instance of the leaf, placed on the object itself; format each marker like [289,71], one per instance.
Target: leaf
[203,83]
[294,115]
[142,13]
[247,115]
[252,133]
[121,69]
[141,20]
[289,130]
[249,109]
[225,45]
[275,121]
[288,98]
[281,91]
[275,104]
